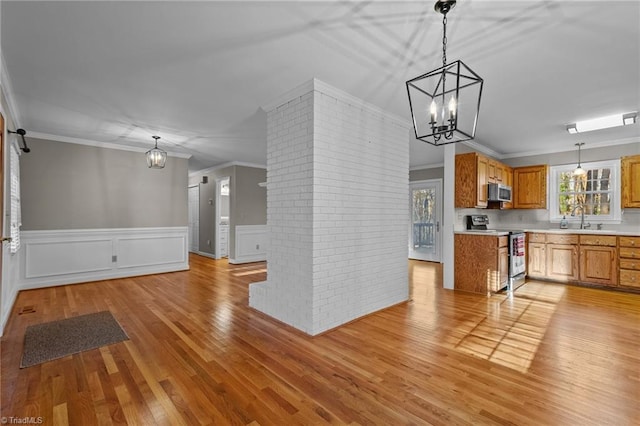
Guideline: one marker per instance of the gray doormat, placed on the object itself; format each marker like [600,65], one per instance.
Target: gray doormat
[57,339]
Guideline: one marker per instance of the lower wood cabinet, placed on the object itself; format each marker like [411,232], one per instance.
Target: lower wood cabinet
[562,257]
[481,263]
[503,265]
[629,261]
[584,258]
[562,262]
[598,259]
[537,260]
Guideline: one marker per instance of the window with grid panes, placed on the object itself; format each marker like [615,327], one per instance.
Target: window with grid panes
[597,192]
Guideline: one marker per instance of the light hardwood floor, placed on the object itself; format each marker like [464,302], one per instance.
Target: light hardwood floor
[197,354]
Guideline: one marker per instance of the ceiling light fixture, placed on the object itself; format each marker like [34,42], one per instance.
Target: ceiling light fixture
[603,122]
[579,171]
[156,158]
[445,102]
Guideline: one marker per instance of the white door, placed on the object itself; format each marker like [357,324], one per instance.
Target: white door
[194,218]
[425,209]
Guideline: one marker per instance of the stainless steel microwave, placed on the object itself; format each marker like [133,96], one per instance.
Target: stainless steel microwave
[499,192]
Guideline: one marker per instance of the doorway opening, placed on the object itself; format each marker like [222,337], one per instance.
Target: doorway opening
[425,210]
[194,218]
[222,217]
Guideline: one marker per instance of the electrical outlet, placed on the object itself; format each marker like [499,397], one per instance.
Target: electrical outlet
[114,258]
[257,246]
[209,243]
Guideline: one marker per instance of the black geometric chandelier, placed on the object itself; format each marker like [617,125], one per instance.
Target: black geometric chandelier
[445,102]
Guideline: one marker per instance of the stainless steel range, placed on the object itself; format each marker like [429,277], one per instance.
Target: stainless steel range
[517,250]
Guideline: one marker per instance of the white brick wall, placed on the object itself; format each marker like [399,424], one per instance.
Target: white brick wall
[337,211]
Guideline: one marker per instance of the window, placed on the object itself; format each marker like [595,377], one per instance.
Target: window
[597,193]
[15,219]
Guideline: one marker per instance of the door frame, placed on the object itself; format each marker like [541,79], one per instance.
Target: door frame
[216,227]
[438,216]
[197,246]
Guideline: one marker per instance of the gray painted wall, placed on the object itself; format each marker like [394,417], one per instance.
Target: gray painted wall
[571,157]
[426,174]
[553,159]
[70,186]
[247,202]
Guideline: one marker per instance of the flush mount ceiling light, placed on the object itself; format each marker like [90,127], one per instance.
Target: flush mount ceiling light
[579,171]
[603,122]
[156,158]
[445,102]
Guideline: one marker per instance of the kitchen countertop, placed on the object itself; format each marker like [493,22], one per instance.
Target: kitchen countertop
[492,232]
[585,231]
[489,232]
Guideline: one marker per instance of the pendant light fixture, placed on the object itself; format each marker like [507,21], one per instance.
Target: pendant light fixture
[579,171]
[445,102]
[156,158]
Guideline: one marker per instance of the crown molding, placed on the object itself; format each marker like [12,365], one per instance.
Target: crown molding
[7,89]
[224,166]
[426,166]
[624,141]
[485,150]
[108,145]
[321,87]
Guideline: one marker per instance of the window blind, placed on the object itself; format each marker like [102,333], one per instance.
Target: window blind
[15,214]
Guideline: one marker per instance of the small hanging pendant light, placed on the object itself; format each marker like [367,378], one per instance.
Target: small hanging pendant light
[579,171]
[156,158]
[445,102]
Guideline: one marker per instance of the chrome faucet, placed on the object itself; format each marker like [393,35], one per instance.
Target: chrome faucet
[573,213]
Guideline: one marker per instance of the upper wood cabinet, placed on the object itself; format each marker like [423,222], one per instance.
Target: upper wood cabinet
[630,181]
[474,172]
[507,173]
[497,172]
[530,187]
[471,180]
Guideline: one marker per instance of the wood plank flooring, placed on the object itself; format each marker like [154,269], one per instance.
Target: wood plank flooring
[198,355]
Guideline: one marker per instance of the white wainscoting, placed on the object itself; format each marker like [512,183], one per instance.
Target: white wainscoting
[49,258]
[251,244]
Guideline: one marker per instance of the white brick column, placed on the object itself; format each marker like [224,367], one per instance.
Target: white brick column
[337,209]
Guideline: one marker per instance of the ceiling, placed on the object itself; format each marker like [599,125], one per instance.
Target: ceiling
[197,73]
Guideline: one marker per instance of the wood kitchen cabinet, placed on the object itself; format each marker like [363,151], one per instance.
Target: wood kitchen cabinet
[598,259]
[481,263]
[553,257]
[503,264]
[496,172]
[530,187]
[562,262]
[630,181]
[537,259]
[474,172]
[507,173]
[629,261]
